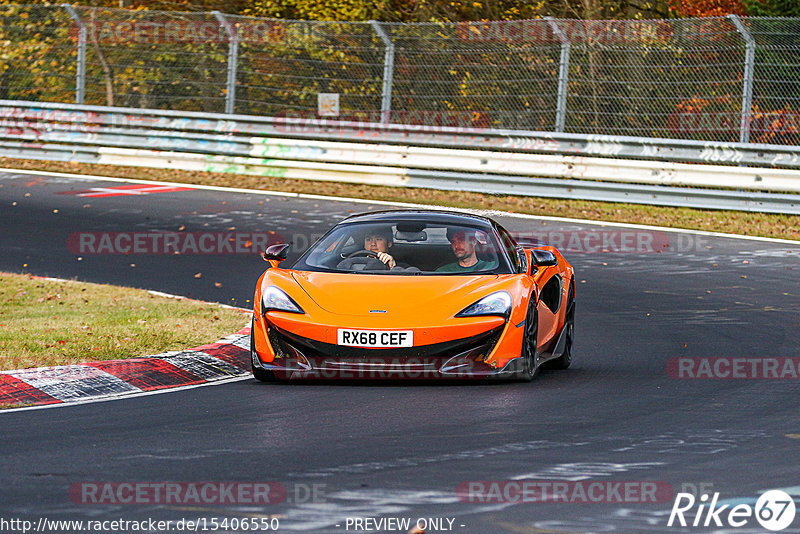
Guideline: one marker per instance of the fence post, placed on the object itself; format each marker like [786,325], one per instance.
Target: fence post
[747,82]
[233,57]
[388,72]
[563,74]
[80,82]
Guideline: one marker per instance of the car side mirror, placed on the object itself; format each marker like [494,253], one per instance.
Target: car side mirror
[543,258]
[275,254]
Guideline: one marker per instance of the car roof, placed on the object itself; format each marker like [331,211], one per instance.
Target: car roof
[429,216]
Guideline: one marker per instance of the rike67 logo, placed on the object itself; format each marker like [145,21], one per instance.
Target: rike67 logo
[774,510]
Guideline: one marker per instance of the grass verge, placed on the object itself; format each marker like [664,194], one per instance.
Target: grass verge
[44,322]
[737,222]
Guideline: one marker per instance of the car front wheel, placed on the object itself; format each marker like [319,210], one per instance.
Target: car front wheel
[565,360]
[530,354]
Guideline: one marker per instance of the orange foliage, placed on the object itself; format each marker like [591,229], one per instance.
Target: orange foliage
[707,8]
[722,115]
[777,126]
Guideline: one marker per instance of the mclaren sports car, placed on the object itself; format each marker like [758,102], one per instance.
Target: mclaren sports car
[413,294]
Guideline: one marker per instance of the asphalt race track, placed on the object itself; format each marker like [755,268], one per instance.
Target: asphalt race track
[393,450]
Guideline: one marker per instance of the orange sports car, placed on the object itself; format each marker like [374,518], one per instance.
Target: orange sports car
[413,294]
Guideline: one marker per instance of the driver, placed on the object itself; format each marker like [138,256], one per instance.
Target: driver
[379,241]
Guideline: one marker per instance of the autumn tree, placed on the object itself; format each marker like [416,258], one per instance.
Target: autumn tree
[707,8]
[773,8]
[456,10]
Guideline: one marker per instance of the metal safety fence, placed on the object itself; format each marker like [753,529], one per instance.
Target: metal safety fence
[725,79]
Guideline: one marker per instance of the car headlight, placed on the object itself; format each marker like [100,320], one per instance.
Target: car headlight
[274,298]
[498,303]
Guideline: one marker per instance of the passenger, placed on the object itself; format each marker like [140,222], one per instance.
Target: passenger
[463,243]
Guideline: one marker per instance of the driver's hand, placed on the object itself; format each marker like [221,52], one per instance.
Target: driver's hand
[387,259]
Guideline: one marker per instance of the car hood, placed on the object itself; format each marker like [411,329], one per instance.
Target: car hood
[369,295]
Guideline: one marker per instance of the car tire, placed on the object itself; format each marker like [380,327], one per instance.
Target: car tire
[262,375]
[530,340]
[565,360]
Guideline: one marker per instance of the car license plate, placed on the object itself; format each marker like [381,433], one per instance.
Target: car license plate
[376,338]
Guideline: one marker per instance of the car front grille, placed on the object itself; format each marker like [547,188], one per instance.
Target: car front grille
[289,345]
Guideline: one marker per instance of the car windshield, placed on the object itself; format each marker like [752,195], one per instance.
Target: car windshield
[406,248]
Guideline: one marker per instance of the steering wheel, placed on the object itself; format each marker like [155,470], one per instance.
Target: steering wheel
[364,257]
[362,252]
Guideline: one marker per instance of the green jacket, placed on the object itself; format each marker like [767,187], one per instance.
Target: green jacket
[456,268]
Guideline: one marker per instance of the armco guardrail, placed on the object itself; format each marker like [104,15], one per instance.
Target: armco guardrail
[152,124]
[445,158]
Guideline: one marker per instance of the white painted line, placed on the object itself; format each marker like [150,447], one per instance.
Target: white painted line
[128,395]
[90,177]
[406,205]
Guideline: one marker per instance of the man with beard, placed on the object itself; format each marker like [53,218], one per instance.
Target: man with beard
[463,242]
